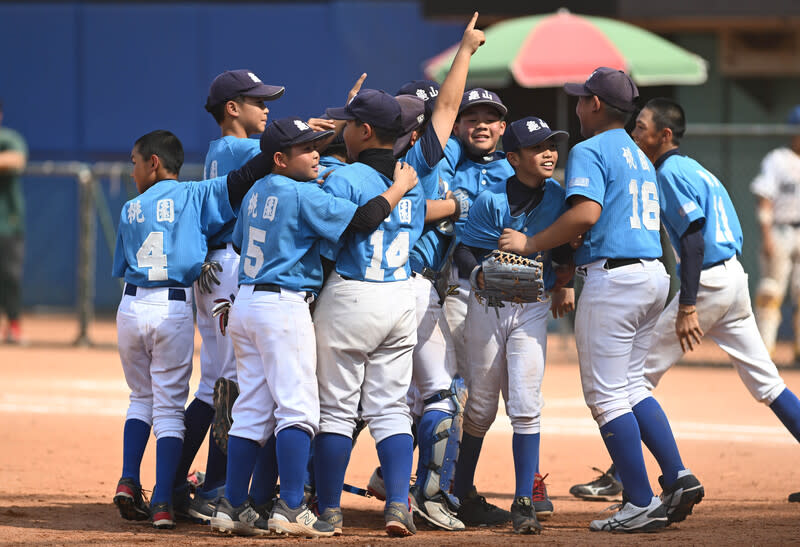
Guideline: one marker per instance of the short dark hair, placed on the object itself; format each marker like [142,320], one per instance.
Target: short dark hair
[614,113]
[384,135]
[163,144]
[218,110]
[668,114]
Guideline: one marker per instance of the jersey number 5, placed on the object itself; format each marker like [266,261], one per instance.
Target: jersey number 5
[254,257]
[650,212]
[151,255]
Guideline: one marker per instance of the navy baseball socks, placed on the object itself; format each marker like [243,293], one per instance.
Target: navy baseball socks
[474,509]
[265,476]
[197,419]
[128,496]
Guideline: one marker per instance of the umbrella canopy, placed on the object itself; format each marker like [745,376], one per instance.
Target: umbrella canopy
[550,50]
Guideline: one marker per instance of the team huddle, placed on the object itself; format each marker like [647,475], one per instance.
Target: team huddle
[387,266]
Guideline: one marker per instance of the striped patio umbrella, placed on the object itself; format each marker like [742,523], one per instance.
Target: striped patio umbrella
[550,50]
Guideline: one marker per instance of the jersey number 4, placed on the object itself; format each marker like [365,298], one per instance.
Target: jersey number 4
[650,212]
[151,255]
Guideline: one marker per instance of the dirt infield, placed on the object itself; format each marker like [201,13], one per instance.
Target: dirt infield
[63,408]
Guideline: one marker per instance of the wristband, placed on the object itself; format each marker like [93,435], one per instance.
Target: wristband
[682,312]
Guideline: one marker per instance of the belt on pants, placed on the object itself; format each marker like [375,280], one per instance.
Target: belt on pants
[612,263]
[427,273]
[272,287]
[717,263]
[178,295]
[217,247]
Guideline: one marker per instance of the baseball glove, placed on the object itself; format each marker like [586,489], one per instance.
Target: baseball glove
[221,309]
[208,275]
[509,277]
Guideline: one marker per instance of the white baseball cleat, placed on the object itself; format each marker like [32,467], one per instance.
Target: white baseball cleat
[632,518]
[376,486]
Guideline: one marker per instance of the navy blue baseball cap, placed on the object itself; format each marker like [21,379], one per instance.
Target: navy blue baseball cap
[794,116]
[372,106]
[482,96]
[529,131]
[286,132]
[233,83]
[609,84]
[412,116]
[427,90]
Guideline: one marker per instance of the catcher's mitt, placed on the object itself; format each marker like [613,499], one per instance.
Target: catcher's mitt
[509,277]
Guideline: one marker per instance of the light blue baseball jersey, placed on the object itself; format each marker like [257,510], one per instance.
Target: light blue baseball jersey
[490,214]
[610,169]
[224,155]
[279,229]
[689,192]
[381,255]
[161,240]
[431,247]
[463,174]
[329,163]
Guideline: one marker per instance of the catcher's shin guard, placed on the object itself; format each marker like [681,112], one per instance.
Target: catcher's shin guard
[439,436]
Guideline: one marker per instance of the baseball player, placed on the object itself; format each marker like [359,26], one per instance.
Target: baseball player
[236,100]
[366,318]
[270,323]
[777,191]
[472,164]
[161,244]
[507,346]
[619,263]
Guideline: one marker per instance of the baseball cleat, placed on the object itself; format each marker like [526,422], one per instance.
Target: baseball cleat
[476,511]
[794,497]
[523,517]
[225,393]
[243,520]
[203,505]
[435,510]
[631,518]
[163,519]
[399,521]
[681,497]
[333,516]
[376,486]
[300,522]
[603,488]
[130,501]
[541,501]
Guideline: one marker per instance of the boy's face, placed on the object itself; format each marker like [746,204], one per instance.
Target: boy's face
[479,128]
[535,163]
[142,171]
[351,138]
[584,112]
[645,134]
[302,162]
[253,115]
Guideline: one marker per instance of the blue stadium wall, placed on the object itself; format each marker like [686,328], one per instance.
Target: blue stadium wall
[82,81]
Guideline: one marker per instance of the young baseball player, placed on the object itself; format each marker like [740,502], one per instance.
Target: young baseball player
[236,100]
[366,318]
[777,192]
[270,323]
[161,244]
[619,262]
[472,164]
[507,345]
[714,299]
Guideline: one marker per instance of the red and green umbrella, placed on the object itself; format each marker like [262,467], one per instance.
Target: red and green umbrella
[550,50]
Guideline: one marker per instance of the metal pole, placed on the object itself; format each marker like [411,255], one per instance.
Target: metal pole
[86,255]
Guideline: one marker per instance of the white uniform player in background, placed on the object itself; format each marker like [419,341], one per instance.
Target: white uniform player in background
[612,191]
[777,190]
[161,245]
[236,101]
[366,317]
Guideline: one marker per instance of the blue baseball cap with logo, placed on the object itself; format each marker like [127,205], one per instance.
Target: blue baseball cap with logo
[427,90]
[243,82]
[286,132]
[529,131]
[412,116]
[609,84]
[479,95]
[372,106]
